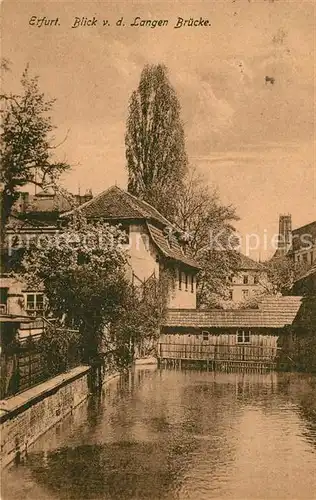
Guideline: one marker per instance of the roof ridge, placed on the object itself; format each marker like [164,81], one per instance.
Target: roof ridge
[141,201]
[92,200]
[144,208]
[305,225]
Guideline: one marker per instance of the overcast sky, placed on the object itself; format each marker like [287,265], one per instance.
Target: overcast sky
[254,140]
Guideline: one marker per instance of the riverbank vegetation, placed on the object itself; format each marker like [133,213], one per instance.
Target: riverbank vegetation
[82,272]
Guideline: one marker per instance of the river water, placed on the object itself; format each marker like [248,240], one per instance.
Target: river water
[171,434]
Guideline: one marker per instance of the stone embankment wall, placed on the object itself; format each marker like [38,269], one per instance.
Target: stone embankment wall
[26,416]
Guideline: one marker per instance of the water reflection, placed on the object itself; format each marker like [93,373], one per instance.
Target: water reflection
[180,435]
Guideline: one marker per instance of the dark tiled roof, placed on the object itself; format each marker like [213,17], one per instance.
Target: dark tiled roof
[304,236]
[277,314]
[309,228]
[170,246]
[115,203]
[281,305]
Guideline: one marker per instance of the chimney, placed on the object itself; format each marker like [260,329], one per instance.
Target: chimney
[285,233]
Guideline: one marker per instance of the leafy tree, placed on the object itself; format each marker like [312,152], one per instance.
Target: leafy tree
[155,143]
[82,272]
[207,227]
[213,280]
[279,274]
[25,143]
[138,327]
[60,348]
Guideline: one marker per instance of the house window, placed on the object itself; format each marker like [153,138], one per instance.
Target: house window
[205,335]
[3,300]
[186,282]
[35,303]
[243,336]
[180,280]
[230,295]
[246,279]
[256,279]
[305,257]
[245,294]
[298,258]
[192,283]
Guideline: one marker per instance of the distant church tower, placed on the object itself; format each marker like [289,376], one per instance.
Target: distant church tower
[285,233]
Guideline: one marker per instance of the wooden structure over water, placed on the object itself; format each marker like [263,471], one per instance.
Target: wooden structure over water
[221,339]
[218,350]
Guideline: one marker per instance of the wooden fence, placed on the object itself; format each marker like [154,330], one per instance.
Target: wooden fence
[24,366]
[218,348]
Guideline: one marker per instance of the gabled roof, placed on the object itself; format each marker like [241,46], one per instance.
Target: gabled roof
[170,247]
[275,313]
[246,263]
[115,203]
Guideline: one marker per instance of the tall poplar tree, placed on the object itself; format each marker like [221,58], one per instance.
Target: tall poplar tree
[155,143]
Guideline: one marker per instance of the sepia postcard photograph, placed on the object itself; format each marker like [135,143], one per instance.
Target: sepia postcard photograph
[158,250]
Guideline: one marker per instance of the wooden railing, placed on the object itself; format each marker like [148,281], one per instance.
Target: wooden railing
[24,365]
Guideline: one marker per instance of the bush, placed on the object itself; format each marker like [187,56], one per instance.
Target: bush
[60,348]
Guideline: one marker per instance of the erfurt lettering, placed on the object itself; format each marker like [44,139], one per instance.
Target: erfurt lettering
[39,22]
